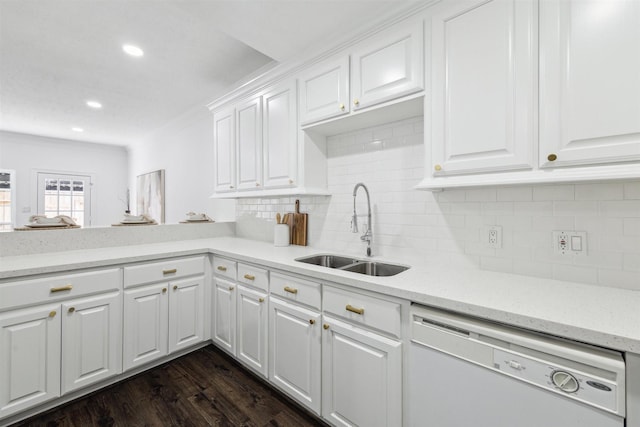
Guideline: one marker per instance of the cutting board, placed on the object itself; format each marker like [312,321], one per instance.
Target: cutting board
[298,226]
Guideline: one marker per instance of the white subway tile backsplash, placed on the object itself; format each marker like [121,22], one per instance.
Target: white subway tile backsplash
[446,228]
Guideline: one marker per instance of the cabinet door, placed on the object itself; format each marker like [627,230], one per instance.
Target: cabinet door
[388,66]
[361,377]
[91,340]
[29,357]
[224,315]
[145,329]
[295,352]
[252,329]
[589,82]
[324,91]
[224,147]
[483,80]
[186,313]
[280,130]
[249,142]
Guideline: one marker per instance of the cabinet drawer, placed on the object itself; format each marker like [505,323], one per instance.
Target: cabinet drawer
[295,289]
[224,267]
[370,311]
[254,276]
[163,270]
[55,288]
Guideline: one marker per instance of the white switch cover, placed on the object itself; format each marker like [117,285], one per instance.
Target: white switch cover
[570,242]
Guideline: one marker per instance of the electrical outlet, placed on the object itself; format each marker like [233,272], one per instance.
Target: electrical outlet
[570,242]
[493,236]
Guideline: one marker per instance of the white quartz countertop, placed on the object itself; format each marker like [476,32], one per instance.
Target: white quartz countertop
[608,317]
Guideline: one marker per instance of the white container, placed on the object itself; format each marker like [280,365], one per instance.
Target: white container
[281,235]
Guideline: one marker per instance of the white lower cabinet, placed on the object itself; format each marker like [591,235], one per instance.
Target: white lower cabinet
[58,333]
[295,352]
[240,316]
[29,357]
[361,376]
[91,340]
[252,330]
[165,315]
[224,315]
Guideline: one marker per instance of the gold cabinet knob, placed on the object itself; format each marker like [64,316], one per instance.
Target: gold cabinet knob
[290,181]
[312,322]
[175,287]
[261,300]
[356,102]
[325,326]
[342,107]
[71,309]
[164,290]
[231,186]
[230,288]
[257,184]
[52,313]
[552,157]
[438,168]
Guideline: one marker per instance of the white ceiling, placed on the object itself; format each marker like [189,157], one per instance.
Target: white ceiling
[57,54]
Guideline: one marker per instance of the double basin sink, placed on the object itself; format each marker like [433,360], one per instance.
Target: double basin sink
[369,268]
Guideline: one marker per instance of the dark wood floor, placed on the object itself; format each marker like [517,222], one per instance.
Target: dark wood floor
[203,388]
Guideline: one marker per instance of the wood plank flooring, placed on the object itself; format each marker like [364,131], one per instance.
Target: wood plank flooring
[203,388]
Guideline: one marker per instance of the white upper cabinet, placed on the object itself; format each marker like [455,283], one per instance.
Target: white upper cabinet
[483,79]
[324,91]
[388,65]
[280,132]
[589,82]
[249,141]
[224,150]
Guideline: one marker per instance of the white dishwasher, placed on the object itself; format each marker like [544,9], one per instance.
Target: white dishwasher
[468,372]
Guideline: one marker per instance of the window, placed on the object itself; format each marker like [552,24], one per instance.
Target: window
[61,194]
[7,200]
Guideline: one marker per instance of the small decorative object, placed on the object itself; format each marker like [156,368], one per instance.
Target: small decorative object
[42,222]
[150,194]
[281,231]
[136,220]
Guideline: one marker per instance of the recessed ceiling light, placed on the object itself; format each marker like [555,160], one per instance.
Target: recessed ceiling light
[77,129]
[132,50]
[94,104]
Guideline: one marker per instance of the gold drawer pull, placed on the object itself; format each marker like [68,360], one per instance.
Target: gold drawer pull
[290,290]
[72,309]
[355,310]
[249,277]
[52,313]
[222,268]
[173,270]
[62,288]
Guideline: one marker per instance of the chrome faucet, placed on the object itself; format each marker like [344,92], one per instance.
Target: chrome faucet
[366,237]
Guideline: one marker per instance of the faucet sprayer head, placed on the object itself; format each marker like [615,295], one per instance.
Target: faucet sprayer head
[354,223]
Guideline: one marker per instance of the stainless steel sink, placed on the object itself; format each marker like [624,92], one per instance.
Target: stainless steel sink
[331,261]
[376,268]
[354,265]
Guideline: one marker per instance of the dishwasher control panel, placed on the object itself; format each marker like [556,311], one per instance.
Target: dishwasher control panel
[564,380]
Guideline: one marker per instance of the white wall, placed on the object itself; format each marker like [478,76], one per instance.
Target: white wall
[107,163]
[445,228]
[184,149]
